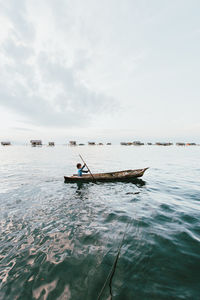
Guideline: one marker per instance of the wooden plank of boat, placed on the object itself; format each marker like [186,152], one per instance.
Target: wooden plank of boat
[111,176]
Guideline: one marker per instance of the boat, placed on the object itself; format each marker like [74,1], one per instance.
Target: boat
[126,175]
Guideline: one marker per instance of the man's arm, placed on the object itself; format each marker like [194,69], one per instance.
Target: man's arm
[83,170]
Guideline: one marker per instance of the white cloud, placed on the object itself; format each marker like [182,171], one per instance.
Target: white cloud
[101,64]
[39,79]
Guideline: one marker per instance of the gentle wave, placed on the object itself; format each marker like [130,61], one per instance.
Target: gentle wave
[59,241]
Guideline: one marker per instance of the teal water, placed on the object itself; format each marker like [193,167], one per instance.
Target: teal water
[59,241]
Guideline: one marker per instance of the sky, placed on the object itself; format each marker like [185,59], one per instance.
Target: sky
[108,70]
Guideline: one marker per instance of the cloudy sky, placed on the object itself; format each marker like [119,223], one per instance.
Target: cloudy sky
[103,70]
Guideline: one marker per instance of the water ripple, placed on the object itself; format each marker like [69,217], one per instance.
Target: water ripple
[59,241]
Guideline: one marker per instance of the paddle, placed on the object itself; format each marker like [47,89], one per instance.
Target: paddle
[87,167]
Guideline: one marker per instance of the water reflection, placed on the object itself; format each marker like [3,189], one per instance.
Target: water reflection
[82,190]
[59,241]
[137,181]
[80,186]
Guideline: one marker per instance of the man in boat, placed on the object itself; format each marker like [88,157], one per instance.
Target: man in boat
[80,169]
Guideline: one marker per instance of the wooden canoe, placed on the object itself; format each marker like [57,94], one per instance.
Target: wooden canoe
[112,176]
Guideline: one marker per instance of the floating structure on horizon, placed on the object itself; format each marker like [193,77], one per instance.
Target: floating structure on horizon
[72,143]
[51,144]
[35,143]
[5,143]
[138,143]
[164,144]
[135,143]
[191,144]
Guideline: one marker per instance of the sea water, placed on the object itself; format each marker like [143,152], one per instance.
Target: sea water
[60,241]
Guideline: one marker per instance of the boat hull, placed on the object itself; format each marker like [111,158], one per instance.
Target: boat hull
[126,175]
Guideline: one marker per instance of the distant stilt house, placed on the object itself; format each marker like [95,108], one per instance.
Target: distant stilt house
[126,143]
[91,143]
[108,144]
[138,143]
[5,143]
[191,144]
[81,144]
[180,144]
[35,143]
[149,144]
[100,144]
[164,144]
[51,144]
[72,143]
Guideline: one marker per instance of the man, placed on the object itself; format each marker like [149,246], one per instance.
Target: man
[80,169]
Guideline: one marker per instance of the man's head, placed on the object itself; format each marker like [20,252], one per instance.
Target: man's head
[78,166]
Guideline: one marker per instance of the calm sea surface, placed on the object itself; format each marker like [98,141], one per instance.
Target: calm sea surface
[60,241]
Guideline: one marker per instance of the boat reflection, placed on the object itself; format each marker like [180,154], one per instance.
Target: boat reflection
[81,190]
[139,182]
[136,181]
[80,185]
